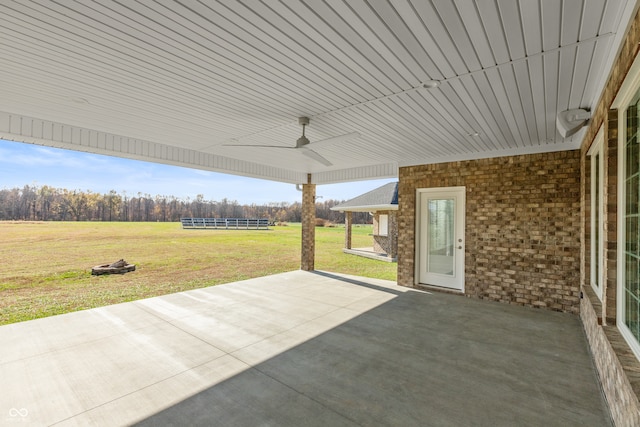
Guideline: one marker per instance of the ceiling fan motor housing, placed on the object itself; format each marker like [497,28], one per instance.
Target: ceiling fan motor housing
[303,140]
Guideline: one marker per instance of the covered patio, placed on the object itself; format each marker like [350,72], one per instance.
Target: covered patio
[505,123]
[301,348]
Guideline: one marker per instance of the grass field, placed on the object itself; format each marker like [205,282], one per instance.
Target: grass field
[45,267]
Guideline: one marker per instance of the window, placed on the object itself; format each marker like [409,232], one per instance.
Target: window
[597,214]
[631,280]
[383,225]
[628,295]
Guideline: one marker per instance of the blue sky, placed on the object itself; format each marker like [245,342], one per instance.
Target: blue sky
[27,164]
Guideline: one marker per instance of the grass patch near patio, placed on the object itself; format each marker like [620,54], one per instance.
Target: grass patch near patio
[46,268]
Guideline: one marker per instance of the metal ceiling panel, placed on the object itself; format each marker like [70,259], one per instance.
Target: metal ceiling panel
[512,28]
[473,27]
[178,81]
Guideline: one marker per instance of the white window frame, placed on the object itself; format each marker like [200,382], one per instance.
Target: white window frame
[596,152]
[626,93]
[383,225]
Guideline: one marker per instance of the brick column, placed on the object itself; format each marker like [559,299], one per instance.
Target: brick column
[348,222]
[393,234]
[308,225]
[610,172]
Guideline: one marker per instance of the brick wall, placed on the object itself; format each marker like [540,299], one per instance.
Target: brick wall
[393,234]
[618,368]
[614,363]
[611,215]
[389,243]
[522,226]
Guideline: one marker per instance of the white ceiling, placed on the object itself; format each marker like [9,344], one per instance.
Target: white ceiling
[174,81]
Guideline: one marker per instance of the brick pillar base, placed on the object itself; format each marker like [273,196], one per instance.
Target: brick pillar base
[308,226]
[348,222]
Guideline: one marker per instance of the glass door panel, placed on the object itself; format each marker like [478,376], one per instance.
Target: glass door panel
[440,256]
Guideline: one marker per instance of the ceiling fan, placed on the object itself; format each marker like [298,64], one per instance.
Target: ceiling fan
[303,144]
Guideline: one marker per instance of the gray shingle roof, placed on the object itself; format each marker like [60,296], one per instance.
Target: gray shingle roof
[382,198]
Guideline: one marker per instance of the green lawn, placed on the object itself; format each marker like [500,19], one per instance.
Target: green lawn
[46,266]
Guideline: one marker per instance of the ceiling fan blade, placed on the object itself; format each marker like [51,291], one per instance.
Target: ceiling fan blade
[334,140]
[315,156]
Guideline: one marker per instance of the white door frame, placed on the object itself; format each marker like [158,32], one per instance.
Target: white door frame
[459,193]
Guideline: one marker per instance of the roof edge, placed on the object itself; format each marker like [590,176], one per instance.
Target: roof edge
[370,208]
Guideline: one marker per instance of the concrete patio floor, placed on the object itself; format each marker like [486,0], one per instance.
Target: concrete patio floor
[301,349]
[369,253]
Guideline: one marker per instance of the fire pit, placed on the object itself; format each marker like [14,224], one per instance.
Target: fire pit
[118,267]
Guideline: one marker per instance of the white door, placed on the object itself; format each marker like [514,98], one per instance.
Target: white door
[440,224]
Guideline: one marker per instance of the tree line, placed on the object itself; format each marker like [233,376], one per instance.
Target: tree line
[44,203]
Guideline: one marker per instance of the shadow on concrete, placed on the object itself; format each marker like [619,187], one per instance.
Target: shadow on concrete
[358,282]
[418,360]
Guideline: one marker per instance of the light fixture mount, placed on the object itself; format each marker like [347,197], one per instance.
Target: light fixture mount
[571,121]
[431,84]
